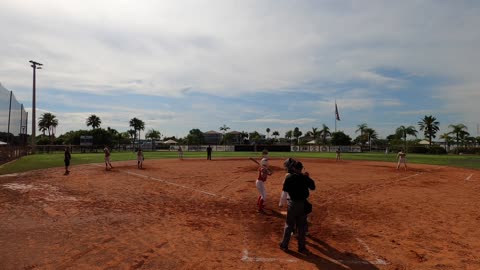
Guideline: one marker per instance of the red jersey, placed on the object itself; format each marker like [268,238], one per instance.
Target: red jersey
[263,173]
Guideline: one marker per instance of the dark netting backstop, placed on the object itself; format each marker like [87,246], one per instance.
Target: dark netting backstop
[13,117]
[13,126]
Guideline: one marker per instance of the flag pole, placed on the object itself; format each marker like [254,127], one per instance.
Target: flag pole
[335,115]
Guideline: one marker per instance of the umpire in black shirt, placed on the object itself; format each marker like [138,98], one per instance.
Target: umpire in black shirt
[297,185]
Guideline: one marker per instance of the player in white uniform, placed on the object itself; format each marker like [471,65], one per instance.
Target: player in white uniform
[402,159]
[107,158]
[140,158]
[263,173]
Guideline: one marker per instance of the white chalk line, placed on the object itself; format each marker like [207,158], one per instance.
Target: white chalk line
[169,183]
[246,258]
[468,177]
[365,190]
[377,261]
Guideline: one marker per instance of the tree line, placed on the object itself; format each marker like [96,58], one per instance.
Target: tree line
[429,125]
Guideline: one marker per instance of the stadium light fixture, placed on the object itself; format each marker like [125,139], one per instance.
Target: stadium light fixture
[35,66]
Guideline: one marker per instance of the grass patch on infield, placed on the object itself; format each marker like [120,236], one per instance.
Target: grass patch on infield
[43,161]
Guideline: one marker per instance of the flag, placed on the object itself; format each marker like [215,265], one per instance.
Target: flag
[337,116]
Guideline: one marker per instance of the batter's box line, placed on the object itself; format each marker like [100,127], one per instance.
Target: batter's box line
[246,258]
[366,190]
[169,183]
[378,260]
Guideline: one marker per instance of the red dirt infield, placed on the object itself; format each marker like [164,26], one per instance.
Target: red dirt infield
[199,214]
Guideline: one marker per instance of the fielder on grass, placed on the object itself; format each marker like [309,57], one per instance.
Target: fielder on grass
[402,159]
[107,158]
[140,158]
[67,158]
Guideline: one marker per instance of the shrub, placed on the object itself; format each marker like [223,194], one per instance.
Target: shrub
[436,150]
[466,150]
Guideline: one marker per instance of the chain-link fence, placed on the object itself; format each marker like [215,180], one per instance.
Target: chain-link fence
[13,126]
[13,117]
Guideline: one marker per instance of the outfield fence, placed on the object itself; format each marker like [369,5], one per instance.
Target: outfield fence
[326,148]
[12,152]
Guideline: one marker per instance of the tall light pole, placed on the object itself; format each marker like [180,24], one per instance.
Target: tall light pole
[35,66]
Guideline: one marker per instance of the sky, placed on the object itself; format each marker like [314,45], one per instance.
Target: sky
[249,65]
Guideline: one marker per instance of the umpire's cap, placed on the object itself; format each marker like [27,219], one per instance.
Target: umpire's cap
[288,163]
[298,165]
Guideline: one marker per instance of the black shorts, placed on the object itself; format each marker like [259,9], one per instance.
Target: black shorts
[67,162]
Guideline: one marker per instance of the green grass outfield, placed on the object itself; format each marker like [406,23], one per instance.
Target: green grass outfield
[42,161]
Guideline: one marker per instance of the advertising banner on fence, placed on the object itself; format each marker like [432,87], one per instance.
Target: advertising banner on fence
[326,148]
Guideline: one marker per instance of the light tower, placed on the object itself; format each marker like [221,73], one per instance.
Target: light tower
[35,66]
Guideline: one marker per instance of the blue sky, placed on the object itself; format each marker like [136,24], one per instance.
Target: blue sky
[250,65]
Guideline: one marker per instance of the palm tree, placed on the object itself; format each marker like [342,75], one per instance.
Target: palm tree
[268,132]
[275,134]
[404,131]
[224,128]
[314,133]
[123,138]
[41,127]
[133,136]
[153,134]
[137,125]
[297,133]
[254,136]
[429,125]
[464,137]
[459,130]
[324,133]
[362,128]
[93,121]
[48,122]
[288,135]
[370,133]
[115,135]
[448,140]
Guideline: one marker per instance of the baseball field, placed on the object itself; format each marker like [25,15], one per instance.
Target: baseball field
[199,214]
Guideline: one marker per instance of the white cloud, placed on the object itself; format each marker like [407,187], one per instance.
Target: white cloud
[230,48]
[390,102]
[379,79]
[463,99]
[416,112]
[212,47]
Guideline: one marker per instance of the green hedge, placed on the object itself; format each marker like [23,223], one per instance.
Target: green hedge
[466,150]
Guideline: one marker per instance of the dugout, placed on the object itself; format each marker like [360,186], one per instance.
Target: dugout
[86,143]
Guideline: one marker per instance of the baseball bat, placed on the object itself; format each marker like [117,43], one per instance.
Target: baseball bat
[258,163]
[254,160]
